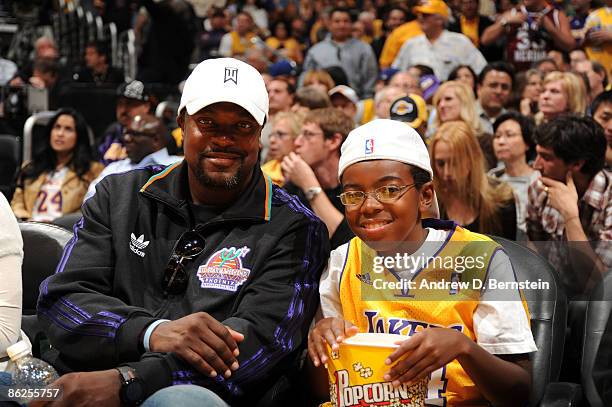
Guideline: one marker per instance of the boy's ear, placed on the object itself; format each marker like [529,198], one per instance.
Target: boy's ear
[428,204]
[335,142]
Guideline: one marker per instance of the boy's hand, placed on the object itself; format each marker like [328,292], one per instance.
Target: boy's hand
[425,352]
[328,330]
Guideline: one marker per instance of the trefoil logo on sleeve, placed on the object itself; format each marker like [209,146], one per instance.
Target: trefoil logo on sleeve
[138,244]
[223,270]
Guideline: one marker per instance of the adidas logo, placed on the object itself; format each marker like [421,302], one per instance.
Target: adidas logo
[137,245]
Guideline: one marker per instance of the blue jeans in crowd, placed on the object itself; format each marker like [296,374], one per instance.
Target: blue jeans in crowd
[184,395]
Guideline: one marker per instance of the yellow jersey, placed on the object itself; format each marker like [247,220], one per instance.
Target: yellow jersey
[600,19]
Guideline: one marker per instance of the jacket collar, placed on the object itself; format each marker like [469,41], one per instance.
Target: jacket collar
[170,187]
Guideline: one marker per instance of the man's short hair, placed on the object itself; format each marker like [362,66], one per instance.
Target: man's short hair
[312,98]
[101,48]
[602,98]
[342,10]
[290,86]
[496,66]
[331,120]
[573,137]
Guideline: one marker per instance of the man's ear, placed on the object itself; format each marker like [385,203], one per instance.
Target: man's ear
[335,142]
[180,120]
[577,165]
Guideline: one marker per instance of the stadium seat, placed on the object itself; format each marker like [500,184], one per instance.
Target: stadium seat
[548,311]
[34,133]
[9,164]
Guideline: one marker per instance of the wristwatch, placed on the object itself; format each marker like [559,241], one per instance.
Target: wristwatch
[312,192]
[132,387]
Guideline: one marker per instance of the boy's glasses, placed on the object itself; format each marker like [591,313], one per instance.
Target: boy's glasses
[385,195]
[188,246]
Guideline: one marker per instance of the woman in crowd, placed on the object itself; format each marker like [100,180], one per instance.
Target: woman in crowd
[514,147]
[285,128]
[529,89]
[563,92]
[320,79]
[466,194]
[455,101]
[465,74]
[54,183]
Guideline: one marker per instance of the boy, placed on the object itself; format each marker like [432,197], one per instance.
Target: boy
[478,351]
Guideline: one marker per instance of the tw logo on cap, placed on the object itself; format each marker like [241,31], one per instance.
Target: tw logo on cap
[369,146]
[231,75]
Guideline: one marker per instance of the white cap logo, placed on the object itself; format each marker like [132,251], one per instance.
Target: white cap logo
[231,75]
[369,146]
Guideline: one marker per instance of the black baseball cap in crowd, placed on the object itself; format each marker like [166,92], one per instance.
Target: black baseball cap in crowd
[134,90]
[410,109]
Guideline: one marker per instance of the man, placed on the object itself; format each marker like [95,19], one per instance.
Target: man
[531,30]
[494,89]
[472,25]
[602,113]
[97,66]
[339,49]
[168,276]
[384,98]
[570,206]
[145,140]
[280,97]
[210,39]
[406,82]
[344,98]
[598,37]
[44,49]
[598,79]
[396,39]
[311,170]
[394,17]
[235,43]
[437,47]
[132,100]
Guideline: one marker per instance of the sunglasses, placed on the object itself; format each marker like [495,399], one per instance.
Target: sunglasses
[188,246]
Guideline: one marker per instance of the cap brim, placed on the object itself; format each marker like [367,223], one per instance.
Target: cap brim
[204,100]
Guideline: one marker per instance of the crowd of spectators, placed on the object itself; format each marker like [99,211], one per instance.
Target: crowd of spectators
[513,100]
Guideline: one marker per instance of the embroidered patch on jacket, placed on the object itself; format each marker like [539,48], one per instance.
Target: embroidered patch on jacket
[223,270]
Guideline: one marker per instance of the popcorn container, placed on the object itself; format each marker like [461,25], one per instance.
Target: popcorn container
[356,373]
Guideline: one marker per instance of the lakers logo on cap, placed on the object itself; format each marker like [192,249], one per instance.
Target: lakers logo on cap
[231,75]
[402,107]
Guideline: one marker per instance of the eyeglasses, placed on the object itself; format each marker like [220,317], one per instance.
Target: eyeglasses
[280,134]
[308,134]
[188,246]
[385,195]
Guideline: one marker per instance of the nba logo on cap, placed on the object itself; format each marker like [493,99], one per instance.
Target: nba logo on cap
[369,146]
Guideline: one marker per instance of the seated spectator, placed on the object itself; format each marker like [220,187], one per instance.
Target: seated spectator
[168,277]
[11,257]
[466,194]
[145,140]
[437,47]
[282,41]
[465,74]
[529,88]
[570,205]
[494,88]
[236,42]
[44,48]
[602,114]
[344,98]
[320,79]
[561,59]
[54,183]
[514,148]
[285,128]
[598,78]
[576,56]
[384,98]
[384,76]
[311,170]
[395,15]
[308,98]
[132,100]
[407,82]
[563,92]
[98,67]
[383,190]
[546,65]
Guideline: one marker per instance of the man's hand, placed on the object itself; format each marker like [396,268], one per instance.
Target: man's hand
[514,19]
[424,353]
[562,197]
[599,37]
[296,170]
[100,389]
[200,340]
[330,331]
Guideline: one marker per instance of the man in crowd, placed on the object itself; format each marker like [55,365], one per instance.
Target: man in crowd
[531,30]
[602,113]
[406,82]
[97,66]
[167,279]
[312,169]
[145,140]
[132,100]
[280,96]
[235,43]
[437,47]
[598,79]
[472,25]
[494,89]
[570,206]
[340,49]
[394,17]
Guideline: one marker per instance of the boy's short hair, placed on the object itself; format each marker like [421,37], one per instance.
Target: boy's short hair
[312,98]
[602,98]
[331,121]
[573,137]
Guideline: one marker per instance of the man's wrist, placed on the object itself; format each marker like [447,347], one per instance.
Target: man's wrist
[312,192]
[146,339]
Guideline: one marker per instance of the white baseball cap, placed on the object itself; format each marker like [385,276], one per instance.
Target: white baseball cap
[226,80]
[345,91]
[384,139]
